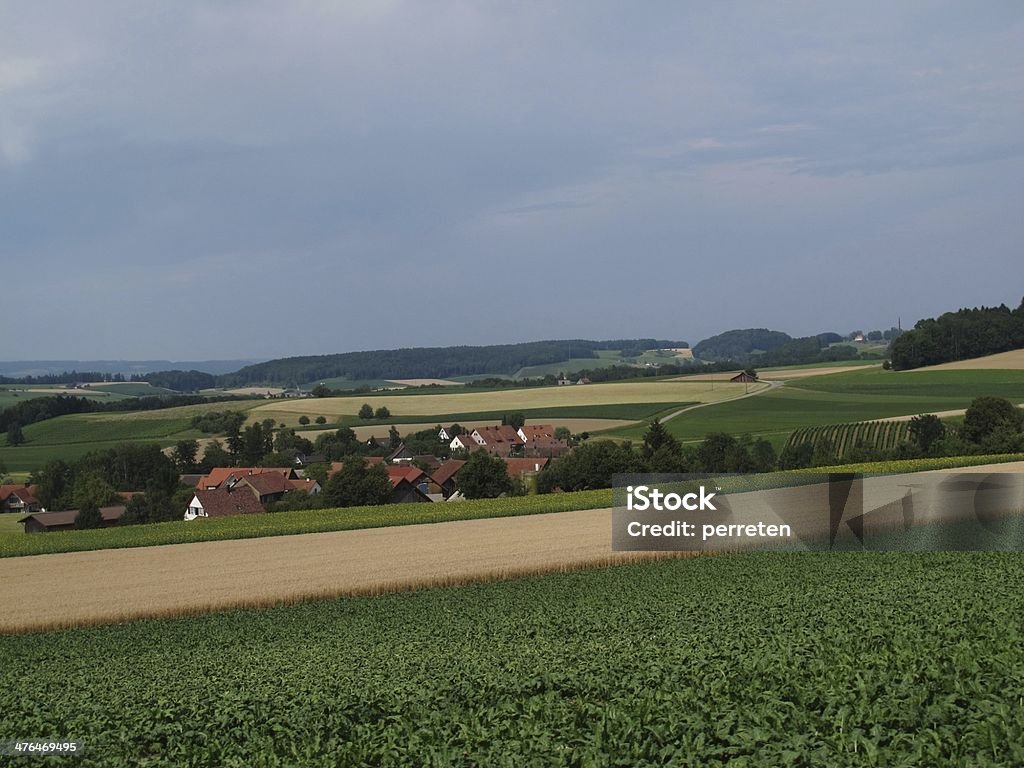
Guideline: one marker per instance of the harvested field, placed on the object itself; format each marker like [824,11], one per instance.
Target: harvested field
[779,374]
[941,414]
[255,391]
[506,401]
[1005,361]
[381,430]
[427,382]
[81,588]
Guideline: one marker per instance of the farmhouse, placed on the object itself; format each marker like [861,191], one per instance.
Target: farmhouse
[744,377]
[499,441]
[540,440]
[18,498]
[42,522]
[446,476]
[229,476]
[273,486]
[465,443]
[523,467]
[222,502]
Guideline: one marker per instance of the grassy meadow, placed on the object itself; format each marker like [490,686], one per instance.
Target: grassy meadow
[72,436]
[753,659]
[839,398]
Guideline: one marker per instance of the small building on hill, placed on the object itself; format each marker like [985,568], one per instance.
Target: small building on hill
[744,377]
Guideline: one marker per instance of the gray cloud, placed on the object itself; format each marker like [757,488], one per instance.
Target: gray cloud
[315,176]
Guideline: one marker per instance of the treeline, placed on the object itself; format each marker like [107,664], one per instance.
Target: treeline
[740,344]
[67,377]
[179,381]
[429,362]
[960,335]
[809,349]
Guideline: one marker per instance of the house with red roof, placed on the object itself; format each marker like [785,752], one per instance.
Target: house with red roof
[223,502]
[219,476]
[19,498]
[539,441]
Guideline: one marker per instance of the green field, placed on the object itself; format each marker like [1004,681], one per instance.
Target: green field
[861,395]
[951,386]
[755,659]
[9,524]
[71,437]
[880,435]
[10,395]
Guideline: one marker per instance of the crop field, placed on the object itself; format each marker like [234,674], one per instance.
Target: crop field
[627,412]
[506,401]
[72,436]
[754,659]
[86,588]
[861,395]
[131,388]
[884,435]
[959,385]
[13,395]
[1013,360]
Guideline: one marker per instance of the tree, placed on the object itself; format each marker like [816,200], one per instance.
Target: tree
[321,390]
[394,438]
[321,419]
[184,455]
[303,420]
[484,477]
[926,430]
[563,433]
[14,434]
[875,336]
[214,455]
[88,517]
[3,472]
[382,413]
[55,481]
[988,415]
[356,484]
[366,411]
[514,420]
[91,489]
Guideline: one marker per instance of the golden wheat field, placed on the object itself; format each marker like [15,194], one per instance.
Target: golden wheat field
[504,400]
[81,588]
[1004,361]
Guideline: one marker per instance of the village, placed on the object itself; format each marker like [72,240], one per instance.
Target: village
[414,478]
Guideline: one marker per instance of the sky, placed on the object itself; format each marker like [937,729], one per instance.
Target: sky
[191,180]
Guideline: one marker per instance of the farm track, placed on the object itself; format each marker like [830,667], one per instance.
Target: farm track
[771,385]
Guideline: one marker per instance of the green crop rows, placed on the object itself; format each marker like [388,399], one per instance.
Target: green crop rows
[884,435]
[751,660]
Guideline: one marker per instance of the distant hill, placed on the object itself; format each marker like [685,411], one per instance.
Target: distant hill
[431,362]
[18,369]
[740,344]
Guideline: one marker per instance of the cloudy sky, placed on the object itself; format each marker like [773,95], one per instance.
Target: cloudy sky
[191,180]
